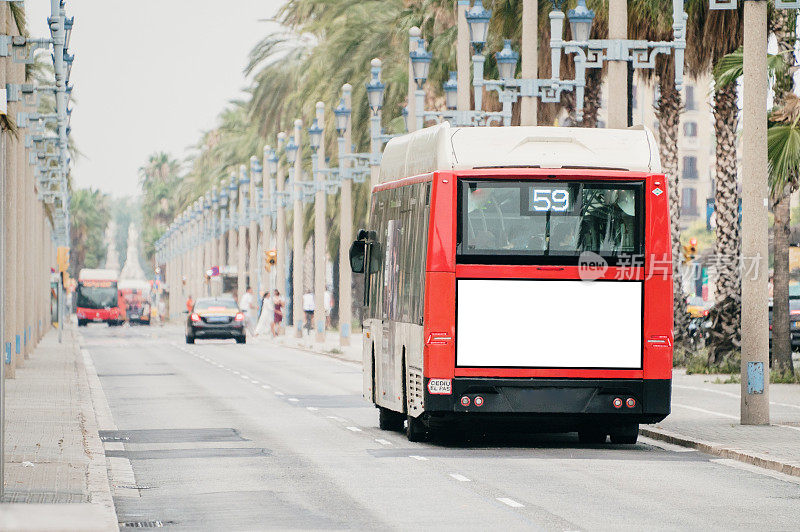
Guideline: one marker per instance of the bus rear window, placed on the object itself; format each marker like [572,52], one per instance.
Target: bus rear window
[548,222]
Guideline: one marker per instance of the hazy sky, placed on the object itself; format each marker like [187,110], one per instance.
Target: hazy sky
[151,75]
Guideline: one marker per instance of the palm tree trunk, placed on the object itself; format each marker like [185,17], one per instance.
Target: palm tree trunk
[668,111]
[781,333]
[592,96]
[725,333]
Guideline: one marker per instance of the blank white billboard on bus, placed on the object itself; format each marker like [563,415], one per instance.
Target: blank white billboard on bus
[549,324]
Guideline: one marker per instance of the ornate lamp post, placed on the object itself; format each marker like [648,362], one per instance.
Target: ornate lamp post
[316,135]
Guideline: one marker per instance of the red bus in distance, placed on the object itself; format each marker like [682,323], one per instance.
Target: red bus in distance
[97,298]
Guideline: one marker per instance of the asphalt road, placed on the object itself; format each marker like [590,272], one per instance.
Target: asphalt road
[245,437]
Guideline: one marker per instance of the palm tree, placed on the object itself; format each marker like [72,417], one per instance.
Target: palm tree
[89,216]
[783,154]
[159,180]
[713,35]
[652,20]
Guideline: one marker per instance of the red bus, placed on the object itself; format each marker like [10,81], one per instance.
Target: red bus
[97,298]
[518,276]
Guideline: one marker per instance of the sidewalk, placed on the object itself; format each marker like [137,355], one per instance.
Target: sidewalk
[705,416]
[330,347]
[56,476]
[705,413]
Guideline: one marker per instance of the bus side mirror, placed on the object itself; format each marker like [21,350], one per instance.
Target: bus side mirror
[375,257]
[358,252]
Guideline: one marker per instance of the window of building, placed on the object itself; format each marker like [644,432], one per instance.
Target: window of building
[689,201]
[690,167]
[690,129]
[634,97]
[690,103]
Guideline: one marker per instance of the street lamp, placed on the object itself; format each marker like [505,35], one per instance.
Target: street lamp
[315,135]
[68,22]
[450,88]
[580,21]
[272,162]
[291,151]
[342,116]
[375,88]
[420,64]
[68,59]
[507,61]
[478,18]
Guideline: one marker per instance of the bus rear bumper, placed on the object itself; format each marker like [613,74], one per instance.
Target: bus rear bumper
[637,400]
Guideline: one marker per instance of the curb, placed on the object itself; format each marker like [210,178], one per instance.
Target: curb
[97,476]
[335,356]
[716,449]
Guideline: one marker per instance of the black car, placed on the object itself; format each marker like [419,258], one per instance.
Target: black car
[215,317]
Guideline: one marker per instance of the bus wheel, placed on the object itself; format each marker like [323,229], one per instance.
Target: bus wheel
[592,435]
[627,434]
[390,420]
[415,429]
[81,323]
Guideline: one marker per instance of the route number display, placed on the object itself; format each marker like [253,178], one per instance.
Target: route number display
[549,199]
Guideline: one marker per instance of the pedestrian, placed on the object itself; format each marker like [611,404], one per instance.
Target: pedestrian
[266,315]
[189,303]
[277,313]
[308,308]
[162,310]
[328,308]
[248,307]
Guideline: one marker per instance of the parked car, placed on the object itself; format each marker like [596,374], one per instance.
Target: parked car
[215,317]
[697,307]
[794,321]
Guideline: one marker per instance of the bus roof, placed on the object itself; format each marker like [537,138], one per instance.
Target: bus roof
[87,274]
[446,148]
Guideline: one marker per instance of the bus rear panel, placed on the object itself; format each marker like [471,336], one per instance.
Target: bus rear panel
[537,297]
[553,297]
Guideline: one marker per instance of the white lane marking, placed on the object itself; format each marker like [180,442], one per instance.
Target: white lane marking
[382,441]
[335,418]
[728,416]
[245,377]
[666,446]
[294,399]
[279,393]
[255,382]
[460,478]
[703,410]
[312,408]
[353,429]
[265,386]
[510,502]
[729,394]
[755,469]
[418,457]
[236,373]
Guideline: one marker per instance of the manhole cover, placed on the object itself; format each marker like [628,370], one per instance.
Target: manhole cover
[133,487]
[145,524]
[110,438]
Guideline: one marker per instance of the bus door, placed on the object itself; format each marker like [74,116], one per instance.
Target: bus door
[389,359]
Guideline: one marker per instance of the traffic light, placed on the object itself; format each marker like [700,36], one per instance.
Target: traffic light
[690,250]
[62,258]
[271,259]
